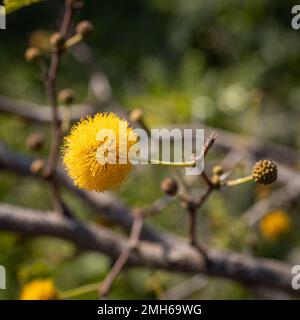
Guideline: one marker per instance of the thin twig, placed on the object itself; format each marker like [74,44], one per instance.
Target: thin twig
[50,85]
[176,257]
[207,146]
[192,205]
[123,258]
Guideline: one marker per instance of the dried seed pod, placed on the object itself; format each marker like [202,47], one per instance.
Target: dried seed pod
[264,172]
[169,186]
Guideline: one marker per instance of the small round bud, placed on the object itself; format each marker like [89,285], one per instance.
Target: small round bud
[217,170]
[264,172]
[215,179]
[37,166]
[136,115]
[34,141]
[84,28]
[57,40]
[169,186]
[66,96]
[32,54]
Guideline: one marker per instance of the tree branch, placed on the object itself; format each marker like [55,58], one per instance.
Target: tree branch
[106,203]
[178,257]
[39,113]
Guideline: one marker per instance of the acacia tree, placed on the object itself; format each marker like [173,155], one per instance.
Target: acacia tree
[146,246]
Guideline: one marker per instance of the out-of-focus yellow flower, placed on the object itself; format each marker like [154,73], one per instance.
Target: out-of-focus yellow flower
[40,39]
[275,224]
[88,152]
[42,289]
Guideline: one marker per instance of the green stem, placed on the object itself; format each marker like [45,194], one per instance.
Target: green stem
[79,291]
[72,41]
[191,163]
[238,181]
[174,164]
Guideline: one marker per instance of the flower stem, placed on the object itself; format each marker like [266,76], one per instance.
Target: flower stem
[191,163]
[239,181]
[174,164]
[78,291]
[72,41]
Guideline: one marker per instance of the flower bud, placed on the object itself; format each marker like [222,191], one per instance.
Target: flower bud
[37,166]
[84,28]
[32,54]
[169,186]
[34,141]
[57,40]
[66,96]
[215,179]
[217,170]
[136,115]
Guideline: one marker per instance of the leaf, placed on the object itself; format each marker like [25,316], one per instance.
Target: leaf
[12,5]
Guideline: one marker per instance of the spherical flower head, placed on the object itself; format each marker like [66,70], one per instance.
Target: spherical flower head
[42,289]
[275,224]
[264,172]
[95,153]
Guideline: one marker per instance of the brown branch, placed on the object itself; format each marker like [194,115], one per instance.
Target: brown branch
[193,205]
[135,234]
[193,239]
[208,144]
[39,113]
[106,204]
[178,257]
[124,256]
[50,84]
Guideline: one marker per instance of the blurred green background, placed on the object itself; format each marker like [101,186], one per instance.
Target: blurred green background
[234,65]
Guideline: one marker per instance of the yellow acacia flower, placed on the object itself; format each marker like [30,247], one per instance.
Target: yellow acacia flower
[42,289]
[275,224]
[87,151]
